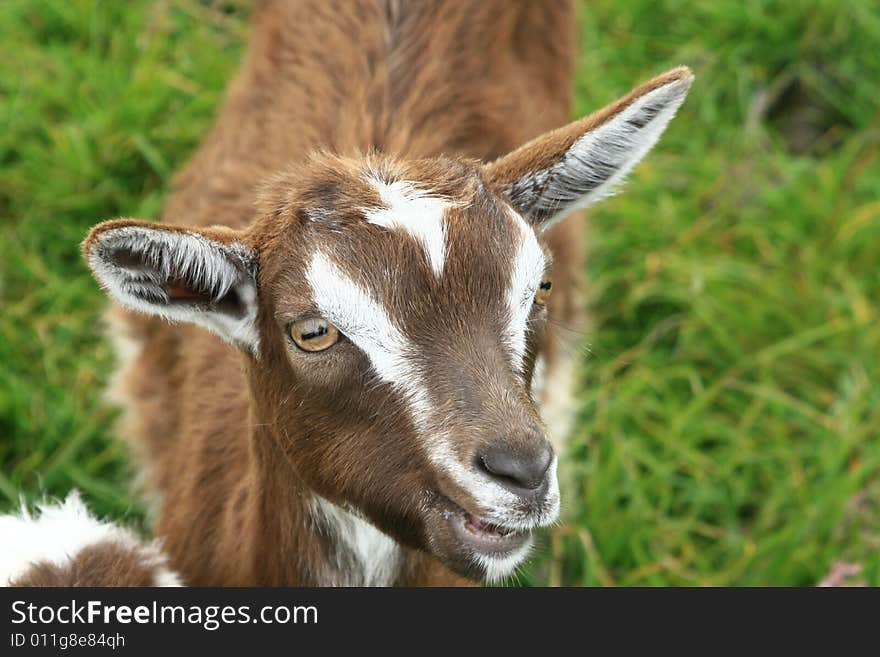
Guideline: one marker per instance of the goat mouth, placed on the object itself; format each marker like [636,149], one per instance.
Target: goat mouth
[481,536]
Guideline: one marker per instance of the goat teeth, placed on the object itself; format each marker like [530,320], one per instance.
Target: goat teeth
[477,526]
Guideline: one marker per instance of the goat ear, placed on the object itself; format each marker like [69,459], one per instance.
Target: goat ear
[207,277]
[583,162]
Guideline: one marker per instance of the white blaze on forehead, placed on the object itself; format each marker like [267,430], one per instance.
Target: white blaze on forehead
[529,264]
[415,212]
[351,308]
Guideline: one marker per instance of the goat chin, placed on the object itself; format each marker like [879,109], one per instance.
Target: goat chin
[62,544]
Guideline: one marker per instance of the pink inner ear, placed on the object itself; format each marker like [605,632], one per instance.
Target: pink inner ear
[177,292]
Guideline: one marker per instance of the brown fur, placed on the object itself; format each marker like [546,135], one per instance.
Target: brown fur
[238,444]
[249,448]
[415,79]
[283,472]
[107,563]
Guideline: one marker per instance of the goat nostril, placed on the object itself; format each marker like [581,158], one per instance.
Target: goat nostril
[516,470]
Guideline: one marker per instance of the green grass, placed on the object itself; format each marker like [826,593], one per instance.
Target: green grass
[729,431]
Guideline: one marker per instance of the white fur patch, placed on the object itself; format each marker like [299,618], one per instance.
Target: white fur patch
[539,379]
[499,567]
[363,555]
[556,398]
[598,162]
[414,212]
[204,264]
[58,533]
[364,321]
[128,350]
[529,265]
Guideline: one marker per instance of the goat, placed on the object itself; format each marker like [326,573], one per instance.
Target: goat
[333,335]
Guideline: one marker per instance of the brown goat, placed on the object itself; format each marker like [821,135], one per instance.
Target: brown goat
[360,409]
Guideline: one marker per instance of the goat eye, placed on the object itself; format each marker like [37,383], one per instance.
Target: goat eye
[313,334]
[543,293]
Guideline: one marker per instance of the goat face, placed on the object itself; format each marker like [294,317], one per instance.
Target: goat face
[392,312]
[405,302]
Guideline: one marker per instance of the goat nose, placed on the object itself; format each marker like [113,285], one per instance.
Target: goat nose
[519,472]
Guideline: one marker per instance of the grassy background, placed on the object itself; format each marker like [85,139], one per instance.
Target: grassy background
[730,423]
